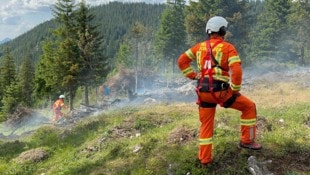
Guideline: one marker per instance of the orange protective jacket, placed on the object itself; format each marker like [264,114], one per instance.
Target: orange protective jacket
[225,54]
[58,104]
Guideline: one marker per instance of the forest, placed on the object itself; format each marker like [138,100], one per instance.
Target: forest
[83,46]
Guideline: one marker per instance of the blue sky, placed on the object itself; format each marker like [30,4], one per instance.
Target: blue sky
[19,16]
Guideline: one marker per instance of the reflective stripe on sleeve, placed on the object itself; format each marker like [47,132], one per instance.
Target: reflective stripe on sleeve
[187,71]
[190,54]
[235,87]
[234,59]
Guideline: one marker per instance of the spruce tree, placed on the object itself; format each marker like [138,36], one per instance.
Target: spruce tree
[7,72]
[270,38]
[10,100]
[299,27]
[45,73]
[26,81]
[123,57]
[93,65]
[66,61]
[9,89]
[171,36]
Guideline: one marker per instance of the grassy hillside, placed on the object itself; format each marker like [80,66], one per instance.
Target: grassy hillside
[158,139]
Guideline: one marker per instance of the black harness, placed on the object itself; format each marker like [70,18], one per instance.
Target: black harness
[203,85]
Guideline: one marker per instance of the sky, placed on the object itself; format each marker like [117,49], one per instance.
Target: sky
[20,16]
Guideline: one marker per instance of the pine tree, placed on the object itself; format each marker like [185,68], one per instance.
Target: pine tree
[46,72]
[123,57]
[9,89]
[93,63]
[66,61]
[270,39]
[171,37]
[10,101]
[7,72]
[299,21]
[26,81]
[195,22]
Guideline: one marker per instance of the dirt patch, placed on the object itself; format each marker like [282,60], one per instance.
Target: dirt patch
[263,125]
[182,135]
[294,162]
[119,131]
[33,155]
[126,129]
[306,122]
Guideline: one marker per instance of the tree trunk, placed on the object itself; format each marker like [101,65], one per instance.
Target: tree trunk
[70,100]
[302,56]
[86,100]
[137,61]
[174,59]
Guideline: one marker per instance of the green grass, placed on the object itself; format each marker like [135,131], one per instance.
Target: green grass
[105,144]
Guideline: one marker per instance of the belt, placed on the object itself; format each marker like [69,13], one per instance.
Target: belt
[217,85]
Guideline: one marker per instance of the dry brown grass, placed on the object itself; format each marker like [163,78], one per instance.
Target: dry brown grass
[276,94]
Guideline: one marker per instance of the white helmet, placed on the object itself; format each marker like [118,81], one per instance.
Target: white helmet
[215,23]
[61,96]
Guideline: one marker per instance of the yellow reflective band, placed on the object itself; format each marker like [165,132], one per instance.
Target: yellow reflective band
[219,46]
[199,60]
[187,71]
[218,56]
[206,141]
[190,54]
[235,87]
[221,78]
[248,122]
[218,71]
[233,59]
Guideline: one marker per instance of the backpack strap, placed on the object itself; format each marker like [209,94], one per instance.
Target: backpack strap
[216,62]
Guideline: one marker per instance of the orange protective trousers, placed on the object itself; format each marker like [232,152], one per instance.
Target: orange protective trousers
[207,114]
[57,114]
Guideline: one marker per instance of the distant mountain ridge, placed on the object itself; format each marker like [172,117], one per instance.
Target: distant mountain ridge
[5,40]
[114,21]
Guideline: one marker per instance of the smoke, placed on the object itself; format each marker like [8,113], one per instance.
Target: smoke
[13,129]
[158,91]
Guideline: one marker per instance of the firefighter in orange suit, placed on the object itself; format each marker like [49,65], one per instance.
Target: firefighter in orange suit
[57,106]
[219,79]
